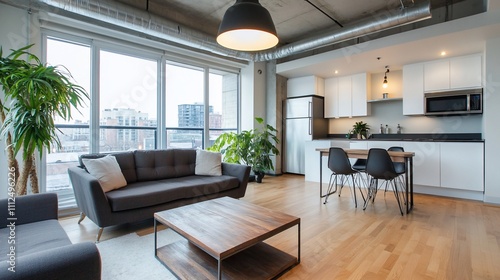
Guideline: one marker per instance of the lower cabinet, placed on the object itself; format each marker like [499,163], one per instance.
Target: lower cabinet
[462,166]
[426,163]
[454,165]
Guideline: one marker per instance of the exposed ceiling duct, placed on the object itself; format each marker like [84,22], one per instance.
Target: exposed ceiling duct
[119,16]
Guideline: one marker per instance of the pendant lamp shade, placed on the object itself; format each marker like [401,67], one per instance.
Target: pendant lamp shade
[247,26]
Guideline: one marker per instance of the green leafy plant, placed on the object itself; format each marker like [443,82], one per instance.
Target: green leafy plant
[360,128]
[35,94]
[251,147]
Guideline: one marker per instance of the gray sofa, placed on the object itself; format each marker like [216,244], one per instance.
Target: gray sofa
[42,248]
[156,180]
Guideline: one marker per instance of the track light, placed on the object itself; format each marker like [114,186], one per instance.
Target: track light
[247,26]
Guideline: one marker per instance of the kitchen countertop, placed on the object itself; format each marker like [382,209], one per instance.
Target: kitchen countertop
[417,137]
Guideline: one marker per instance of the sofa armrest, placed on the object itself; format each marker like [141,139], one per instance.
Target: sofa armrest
[29,208]
[77,261]
[240,171]
[89,195]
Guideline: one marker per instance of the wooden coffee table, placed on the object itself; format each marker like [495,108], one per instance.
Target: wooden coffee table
[224,240]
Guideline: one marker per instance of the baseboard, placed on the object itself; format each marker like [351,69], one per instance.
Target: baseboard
[447,192]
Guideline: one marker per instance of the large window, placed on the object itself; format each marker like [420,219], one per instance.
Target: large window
[198,103]
[185,109]
[74,134]
[127,102]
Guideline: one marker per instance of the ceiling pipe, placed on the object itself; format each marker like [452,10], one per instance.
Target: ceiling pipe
[376,23]
[119,17]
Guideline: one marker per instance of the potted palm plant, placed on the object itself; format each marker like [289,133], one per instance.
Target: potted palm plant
[253,147]
[35,94]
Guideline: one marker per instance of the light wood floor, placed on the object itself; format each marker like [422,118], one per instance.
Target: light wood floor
[442,238]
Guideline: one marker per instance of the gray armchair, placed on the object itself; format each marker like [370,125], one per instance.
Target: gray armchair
[42,247]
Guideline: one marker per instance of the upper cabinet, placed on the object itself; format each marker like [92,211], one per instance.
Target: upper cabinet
[454,73]
[437,75]
[303,86]
[466,72]
[413,89]
[347,96]
[463,72]
[331,98]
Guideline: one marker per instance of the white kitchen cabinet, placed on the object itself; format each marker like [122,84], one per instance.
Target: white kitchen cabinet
[358,145]
[384,144]
[331,98]
[304,86]
[413,89]
[426,162]
[437,75]
[462,166]
[347,96]
[466,72]
[460,72]
[345,88]
[360,94]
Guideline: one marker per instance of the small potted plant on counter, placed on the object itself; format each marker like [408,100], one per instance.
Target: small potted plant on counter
[360,129]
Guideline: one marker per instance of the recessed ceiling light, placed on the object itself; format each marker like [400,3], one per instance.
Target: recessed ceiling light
[336,71]
[443,53]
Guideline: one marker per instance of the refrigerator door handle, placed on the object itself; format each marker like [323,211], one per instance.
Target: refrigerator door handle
[309,109]
[310,125]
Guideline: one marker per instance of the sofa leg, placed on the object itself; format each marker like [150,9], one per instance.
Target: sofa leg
[82,216]
[99,235]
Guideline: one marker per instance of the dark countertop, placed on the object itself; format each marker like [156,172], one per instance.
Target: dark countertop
[418,137]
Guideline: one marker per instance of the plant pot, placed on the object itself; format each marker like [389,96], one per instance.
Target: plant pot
[259,176]
[359,136]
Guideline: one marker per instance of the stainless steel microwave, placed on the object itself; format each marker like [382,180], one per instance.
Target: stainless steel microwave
[459,102]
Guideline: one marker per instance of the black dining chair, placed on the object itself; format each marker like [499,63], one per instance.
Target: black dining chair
[380,167]
[398,166]
[339,164]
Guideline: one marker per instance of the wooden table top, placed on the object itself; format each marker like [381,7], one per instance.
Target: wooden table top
[363,154]
[224,226]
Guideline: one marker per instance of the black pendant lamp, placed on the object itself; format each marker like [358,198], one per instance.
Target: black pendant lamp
[247,26]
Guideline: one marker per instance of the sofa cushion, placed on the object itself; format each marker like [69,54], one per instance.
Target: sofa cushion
[36,237]
[144,194]
[208,163]
[107,171]
[126,160]
[164,164]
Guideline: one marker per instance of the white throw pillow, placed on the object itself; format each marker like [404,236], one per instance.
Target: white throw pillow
[208,163]
[107,171]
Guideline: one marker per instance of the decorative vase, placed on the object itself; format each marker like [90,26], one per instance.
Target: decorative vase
[359,136]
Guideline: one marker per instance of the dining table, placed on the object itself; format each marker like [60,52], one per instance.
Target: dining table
[405,157]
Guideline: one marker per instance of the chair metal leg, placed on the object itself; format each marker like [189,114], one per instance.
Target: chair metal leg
[354,191]
[370,193]
[396,194]
[82,216]
[330,186]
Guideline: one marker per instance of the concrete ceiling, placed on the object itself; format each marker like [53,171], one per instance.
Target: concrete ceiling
[296,20]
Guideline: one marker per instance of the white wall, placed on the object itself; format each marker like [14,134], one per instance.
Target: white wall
[491,121]
[253,94]
[13,35]
[394,81]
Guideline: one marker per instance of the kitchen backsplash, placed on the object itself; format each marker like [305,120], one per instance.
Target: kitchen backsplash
[391,113]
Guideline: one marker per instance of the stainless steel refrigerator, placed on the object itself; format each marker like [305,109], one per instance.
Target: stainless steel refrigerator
[305,121]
